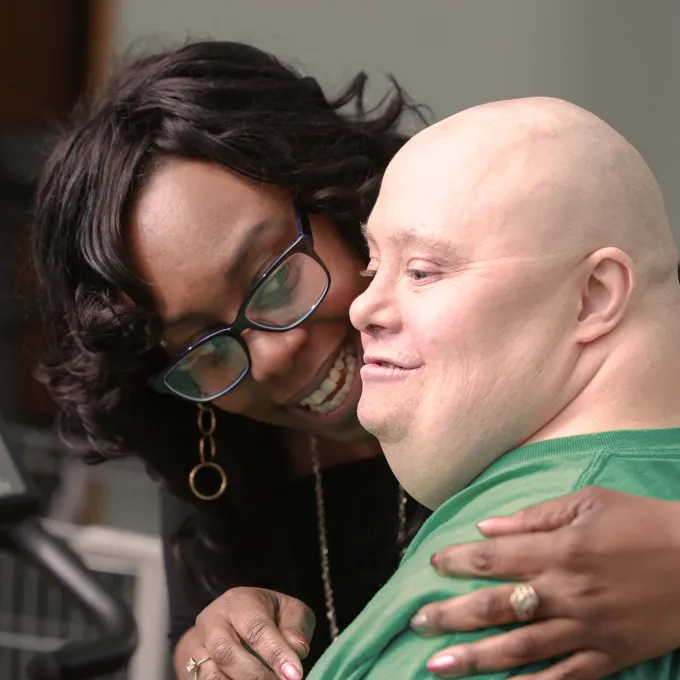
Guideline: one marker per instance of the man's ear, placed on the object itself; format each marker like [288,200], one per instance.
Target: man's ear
[607,283]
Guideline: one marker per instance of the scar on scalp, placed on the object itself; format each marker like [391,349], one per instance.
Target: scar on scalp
[543,133]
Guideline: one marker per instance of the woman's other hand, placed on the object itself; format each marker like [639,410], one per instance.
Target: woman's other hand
[606,567]
[274,626]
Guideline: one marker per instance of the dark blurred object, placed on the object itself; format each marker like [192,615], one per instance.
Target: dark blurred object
[52,53]
[76,660]
[23,533]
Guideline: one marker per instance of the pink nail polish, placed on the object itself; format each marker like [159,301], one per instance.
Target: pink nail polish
[290,671]
[445,662]
[303,641]
[435,560]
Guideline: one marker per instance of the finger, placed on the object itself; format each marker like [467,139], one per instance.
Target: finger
[251,621]
[480,609]
[547,516]
[209,670]
[229,659]
[510,557]
[296,621]
[587,665]
[520,646]
[265,639]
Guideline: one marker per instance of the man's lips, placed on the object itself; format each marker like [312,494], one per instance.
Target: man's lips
[385,361]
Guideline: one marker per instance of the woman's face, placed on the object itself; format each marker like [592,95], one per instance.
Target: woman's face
[200,235]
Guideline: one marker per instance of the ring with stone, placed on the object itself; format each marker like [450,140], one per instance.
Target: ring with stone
[194,666]
[524,601]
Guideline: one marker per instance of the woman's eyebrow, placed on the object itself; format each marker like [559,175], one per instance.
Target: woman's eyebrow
[233,265]
[248,244]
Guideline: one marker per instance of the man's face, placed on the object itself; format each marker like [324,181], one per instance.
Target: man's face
[464,323]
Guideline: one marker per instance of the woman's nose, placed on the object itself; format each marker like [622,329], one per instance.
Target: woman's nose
[273,354]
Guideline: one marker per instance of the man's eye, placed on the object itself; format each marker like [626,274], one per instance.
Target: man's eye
[368,273]
[419,274]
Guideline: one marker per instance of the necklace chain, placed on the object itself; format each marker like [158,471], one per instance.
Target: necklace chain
[323,537]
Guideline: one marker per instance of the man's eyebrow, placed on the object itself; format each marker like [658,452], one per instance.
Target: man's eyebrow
[233,266]
[363,227]
[418,237]
[408,237]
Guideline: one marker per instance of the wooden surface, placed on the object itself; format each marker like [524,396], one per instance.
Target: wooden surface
[50,51]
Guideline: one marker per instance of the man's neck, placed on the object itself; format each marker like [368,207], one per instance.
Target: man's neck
[636,387]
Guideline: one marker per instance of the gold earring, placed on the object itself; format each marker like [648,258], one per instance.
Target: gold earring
[206,426]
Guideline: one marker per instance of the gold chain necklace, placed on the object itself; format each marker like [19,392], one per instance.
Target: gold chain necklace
[323,538]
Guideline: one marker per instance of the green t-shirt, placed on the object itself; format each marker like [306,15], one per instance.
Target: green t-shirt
[379,644]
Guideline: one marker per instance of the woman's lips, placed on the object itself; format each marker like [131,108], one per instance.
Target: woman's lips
[336,385]
[341,395]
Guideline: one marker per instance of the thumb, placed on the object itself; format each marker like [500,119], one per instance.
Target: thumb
[296,621]
[548,516]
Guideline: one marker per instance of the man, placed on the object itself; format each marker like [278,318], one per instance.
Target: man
[522,340]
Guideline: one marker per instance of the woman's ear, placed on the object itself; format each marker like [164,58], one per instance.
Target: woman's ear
[606,287]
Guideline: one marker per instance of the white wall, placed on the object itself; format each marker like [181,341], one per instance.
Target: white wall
[614,57]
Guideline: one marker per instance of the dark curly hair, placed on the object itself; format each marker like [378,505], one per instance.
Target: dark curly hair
[224,103]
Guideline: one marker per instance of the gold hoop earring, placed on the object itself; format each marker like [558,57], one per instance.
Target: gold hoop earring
[206,426]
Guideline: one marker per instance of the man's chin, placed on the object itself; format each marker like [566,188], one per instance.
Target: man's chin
[367,420]
[385,428]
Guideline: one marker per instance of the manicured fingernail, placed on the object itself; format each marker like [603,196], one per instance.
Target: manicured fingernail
[490,523]
[304,642]
[290,671]
[419,623]
[445,662]
[435,560]
[486,523]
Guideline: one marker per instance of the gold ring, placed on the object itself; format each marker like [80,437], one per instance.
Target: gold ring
[524,601]
[194,666]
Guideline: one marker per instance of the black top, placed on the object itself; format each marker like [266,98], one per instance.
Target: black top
[361,500]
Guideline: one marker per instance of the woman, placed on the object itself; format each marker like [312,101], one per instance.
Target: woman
[188,227]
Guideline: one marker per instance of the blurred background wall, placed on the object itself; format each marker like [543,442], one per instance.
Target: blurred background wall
[617,58]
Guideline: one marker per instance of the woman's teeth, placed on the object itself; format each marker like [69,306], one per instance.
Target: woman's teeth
[345,365]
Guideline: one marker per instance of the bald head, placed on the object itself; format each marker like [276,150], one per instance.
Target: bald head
[523,259]
[543,177]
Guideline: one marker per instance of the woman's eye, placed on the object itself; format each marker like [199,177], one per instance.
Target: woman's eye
[277,290]
[277,281]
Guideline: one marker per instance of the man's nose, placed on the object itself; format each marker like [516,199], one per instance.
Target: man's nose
[273,354]
[375,309]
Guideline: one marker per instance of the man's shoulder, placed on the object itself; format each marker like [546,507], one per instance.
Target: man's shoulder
[380,645]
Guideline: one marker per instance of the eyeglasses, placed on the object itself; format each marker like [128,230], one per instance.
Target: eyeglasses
[280,300]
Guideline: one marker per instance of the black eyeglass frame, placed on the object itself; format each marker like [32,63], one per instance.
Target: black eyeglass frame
[304,243]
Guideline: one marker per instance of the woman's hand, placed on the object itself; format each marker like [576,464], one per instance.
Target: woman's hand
[606,567]
[276,627]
